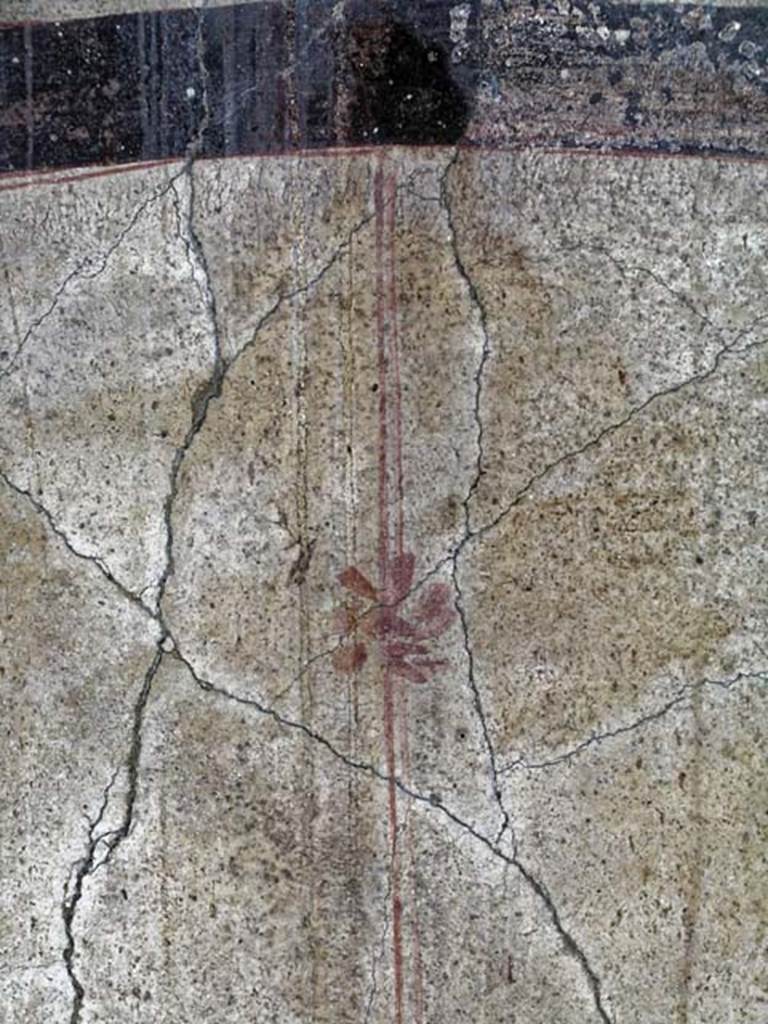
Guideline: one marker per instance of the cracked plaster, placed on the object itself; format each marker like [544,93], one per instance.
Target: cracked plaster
[197,822]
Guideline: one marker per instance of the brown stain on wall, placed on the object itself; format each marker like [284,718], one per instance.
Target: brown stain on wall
[666,825]
[550,373]
[510,281]
[591,597]
[35,589]
[602,642]
[277,226]
[230,808]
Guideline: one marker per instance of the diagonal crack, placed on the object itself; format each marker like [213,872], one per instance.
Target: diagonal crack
[282,297]
[730,349]
[685,300]
[570,944]
[298,727]
[157,617]
[88,268]
[726,351]
[682,698]
[94,560]
[101,847]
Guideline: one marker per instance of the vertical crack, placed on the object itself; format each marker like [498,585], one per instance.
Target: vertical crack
[482,314]
[478,378]
[211,388]
[506,822]
[102,845]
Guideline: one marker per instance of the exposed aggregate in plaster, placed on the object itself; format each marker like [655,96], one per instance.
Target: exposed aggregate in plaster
[231,793]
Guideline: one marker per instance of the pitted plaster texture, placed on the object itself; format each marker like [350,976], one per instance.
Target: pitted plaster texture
[384,607]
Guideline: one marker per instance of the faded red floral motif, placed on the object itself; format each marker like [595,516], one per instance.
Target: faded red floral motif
[404,643]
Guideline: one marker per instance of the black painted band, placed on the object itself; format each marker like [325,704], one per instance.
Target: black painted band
[281,76]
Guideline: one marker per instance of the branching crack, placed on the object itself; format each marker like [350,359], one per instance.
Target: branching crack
[681,297]
[537,887]
[205,394]
[102,843]
[212,388]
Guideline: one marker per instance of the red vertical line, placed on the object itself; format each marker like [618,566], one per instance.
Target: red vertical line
[384,585]
[405,757]
[381,329]
[348,378]
[347,337]
[394,334]
[401,694]
[397,905]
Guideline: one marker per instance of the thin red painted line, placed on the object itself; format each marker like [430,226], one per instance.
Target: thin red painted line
[42,176]
[37,176]
[384,585]
[392,311]
[401,687]
[397,905]
[381,330]
[625,152]
[32,177]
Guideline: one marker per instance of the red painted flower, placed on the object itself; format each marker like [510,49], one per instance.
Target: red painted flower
[404,643]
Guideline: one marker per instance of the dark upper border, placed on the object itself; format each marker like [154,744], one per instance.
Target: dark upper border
[279,76]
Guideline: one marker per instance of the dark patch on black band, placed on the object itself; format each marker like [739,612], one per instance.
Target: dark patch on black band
[403,91]
[280,76]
